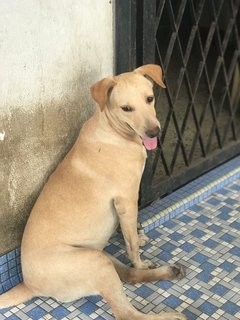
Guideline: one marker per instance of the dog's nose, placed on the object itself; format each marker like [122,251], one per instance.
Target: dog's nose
[153,132]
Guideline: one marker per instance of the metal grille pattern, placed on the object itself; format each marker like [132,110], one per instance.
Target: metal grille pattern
[197,43]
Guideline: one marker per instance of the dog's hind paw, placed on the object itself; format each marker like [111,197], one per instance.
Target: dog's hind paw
[178,271]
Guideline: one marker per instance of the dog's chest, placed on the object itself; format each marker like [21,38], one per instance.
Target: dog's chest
[125,162]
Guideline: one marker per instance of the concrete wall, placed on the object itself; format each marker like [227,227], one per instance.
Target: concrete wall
[50,53]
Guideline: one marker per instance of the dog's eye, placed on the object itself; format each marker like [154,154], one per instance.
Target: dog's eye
[127,108]
[150,99]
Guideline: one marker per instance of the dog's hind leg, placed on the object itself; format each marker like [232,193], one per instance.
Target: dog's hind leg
[91,271]
[14,296]
[133,275]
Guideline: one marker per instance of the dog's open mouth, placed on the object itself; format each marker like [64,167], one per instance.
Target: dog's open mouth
[150,143]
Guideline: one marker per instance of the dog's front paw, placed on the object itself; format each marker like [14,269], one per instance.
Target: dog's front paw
[143,239]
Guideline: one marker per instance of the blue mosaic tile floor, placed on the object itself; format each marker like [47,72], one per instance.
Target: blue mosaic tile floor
[205,239]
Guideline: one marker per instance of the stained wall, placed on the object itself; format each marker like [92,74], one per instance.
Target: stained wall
[50,54]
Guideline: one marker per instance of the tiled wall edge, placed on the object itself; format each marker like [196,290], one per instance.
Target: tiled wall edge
[190,200]
[10,270]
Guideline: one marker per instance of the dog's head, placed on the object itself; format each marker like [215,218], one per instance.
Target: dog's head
[128,101]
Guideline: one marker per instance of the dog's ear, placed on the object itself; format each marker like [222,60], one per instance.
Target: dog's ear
[152,71]
[101,90]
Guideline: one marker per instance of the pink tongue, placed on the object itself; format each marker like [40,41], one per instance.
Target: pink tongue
[150,143]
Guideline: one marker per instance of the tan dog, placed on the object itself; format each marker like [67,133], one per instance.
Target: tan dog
[91,191]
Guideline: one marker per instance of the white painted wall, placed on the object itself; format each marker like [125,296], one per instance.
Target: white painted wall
[46,45]
[51,51]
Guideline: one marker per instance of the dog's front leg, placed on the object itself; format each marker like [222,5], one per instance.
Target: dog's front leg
[127,211]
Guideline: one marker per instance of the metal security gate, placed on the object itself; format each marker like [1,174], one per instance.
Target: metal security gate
[197,43]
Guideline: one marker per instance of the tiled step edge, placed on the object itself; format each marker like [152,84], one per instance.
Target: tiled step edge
[167,208]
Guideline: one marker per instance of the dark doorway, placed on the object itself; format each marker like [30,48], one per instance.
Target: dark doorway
[197,43]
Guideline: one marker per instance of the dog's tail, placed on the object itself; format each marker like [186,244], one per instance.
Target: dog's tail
[14,296]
